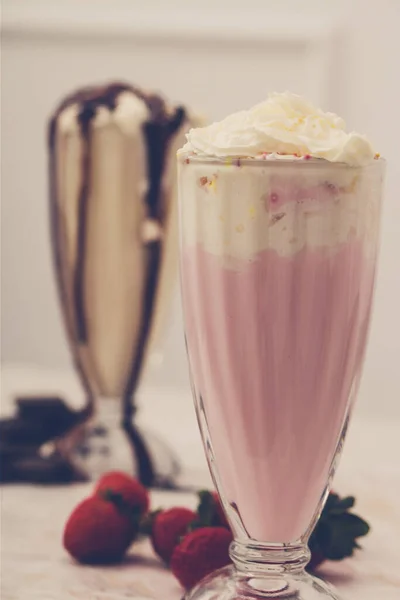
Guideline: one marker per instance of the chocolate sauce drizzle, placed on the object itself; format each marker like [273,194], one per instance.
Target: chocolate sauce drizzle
[158,131]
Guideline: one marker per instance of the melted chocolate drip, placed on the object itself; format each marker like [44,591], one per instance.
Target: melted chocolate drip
[158,130]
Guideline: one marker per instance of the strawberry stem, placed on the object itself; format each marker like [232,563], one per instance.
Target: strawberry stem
[336,533]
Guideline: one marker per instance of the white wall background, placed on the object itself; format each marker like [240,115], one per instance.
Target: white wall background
[217,56]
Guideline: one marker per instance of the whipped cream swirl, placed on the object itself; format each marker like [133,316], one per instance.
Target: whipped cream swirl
[282,126]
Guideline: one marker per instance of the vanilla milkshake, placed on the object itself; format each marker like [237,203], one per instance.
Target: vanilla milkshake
[112,154]
[112,158]
[279,231]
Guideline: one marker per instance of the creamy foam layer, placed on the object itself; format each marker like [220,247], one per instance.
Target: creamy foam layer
[285,124]
[236,211]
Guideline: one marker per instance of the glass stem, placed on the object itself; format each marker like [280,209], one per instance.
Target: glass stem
[261,568]
[108,412]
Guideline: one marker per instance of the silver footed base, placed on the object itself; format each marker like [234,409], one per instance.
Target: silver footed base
[228,584]
[104,443]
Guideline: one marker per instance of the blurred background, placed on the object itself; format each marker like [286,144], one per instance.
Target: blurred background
[214,56]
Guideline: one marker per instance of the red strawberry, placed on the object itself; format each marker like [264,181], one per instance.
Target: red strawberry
[96,532]
[168,528]
[201,552]
[120,486]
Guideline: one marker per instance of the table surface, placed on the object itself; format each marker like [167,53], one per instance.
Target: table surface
[34,565]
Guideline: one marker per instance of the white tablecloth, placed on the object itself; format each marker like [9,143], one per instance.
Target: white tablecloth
[35,567]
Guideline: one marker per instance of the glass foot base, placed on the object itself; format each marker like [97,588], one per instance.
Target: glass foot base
[227,584]
[99,448]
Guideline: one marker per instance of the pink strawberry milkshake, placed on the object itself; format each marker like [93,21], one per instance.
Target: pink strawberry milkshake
[279,230]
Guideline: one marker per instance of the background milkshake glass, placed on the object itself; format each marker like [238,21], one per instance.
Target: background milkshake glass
[113,206]
[278,256]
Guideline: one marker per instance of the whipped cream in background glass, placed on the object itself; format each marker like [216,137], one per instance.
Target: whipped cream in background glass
[279,214]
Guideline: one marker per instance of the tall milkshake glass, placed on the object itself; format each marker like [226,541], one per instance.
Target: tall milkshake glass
[112,205]
[277,265]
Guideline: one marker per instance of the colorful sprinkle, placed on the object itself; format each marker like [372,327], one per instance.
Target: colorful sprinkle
[277,217]
[240,228]
[208,184]
[212,185]
[349,189]
[274,198]
[330,187]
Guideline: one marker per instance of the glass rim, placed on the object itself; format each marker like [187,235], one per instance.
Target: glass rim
[228,161]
